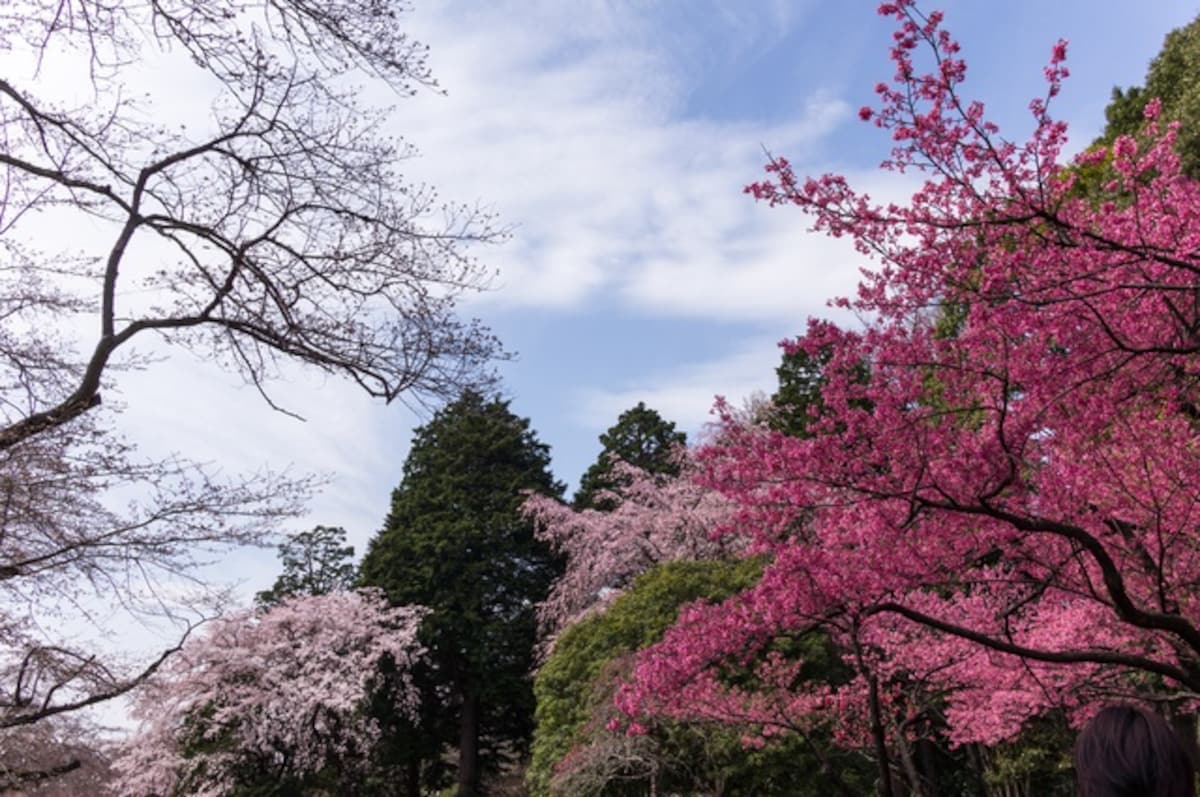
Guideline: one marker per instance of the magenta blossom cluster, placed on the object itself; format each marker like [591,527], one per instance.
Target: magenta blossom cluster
[995,513]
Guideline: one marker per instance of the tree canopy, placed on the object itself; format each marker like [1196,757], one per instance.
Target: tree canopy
[1000,513]
[574,751]
[1173,78]
[315,562]
[272,699]
[655,518]
[641,438]
[456,541]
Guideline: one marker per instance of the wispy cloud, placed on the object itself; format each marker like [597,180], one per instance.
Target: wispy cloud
[686,394]
[572,126]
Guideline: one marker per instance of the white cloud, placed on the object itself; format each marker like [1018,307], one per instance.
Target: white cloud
[357,442]
[765,266]
[686,394]
[570,125]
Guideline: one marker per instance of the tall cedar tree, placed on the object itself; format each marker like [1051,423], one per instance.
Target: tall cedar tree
[456,542]
[640,437]
[797,402]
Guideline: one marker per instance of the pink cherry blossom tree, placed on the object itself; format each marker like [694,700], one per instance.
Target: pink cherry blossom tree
[998,491]
[62,756]
[655,518]
[277,695]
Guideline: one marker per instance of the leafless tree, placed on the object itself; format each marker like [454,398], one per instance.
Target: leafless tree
[277,229]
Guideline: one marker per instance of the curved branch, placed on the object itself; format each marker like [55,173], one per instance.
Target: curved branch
[1097,656]
[30,717]
[1114,582]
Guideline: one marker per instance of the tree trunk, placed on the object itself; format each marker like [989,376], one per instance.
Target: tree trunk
[908,764]
[412,779]
[826,767]
[468,746]
[1186,726]
[877,733]
[978,756]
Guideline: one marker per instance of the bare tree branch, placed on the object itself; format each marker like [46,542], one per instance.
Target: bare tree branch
[279,229]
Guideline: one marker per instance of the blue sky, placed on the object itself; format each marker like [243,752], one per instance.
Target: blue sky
[704,87]
[614,138]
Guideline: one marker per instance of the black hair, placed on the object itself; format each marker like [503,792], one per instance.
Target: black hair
[1127,751]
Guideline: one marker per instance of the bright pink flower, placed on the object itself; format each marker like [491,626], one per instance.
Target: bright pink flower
[998,505]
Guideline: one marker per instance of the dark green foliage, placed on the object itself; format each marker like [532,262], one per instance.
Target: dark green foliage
[797,403]
[567,690]
[456,542]
[1174,78]
[314,562]
[1036,762]
[255,775]
[640,437]
[409,758]
[575,688]
[798,399]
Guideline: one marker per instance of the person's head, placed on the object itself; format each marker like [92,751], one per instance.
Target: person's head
[1126,751]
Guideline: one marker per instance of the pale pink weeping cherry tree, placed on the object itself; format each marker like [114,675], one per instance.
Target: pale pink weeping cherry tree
[656,518]
[281,692]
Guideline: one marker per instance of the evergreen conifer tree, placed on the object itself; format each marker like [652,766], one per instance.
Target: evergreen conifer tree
[640,437]
[1173,78]
[456,542]
[315,562]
